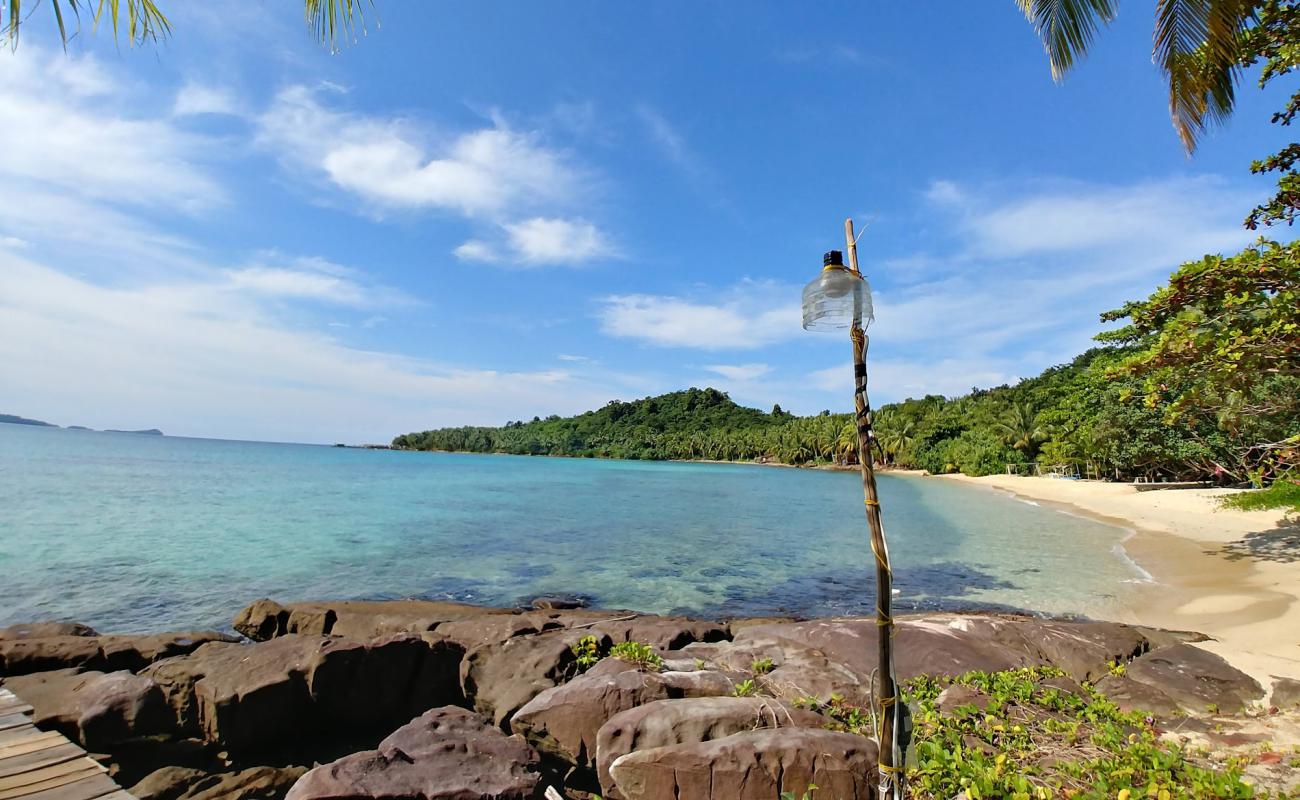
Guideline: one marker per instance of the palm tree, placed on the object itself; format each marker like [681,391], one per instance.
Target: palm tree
[1021,429]
[1196,43]
[331,21]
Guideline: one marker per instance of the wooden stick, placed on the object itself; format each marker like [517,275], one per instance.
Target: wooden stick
[891,777]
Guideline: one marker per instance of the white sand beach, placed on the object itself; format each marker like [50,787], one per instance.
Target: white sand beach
[1233,575]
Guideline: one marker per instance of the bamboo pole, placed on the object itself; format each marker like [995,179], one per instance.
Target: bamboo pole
[891,755]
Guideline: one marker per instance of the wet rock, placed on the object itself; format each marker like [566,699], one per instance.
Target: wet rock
[670,722]
[754,765]
[46,630]
[1196,679]
[447,753]
[558,603]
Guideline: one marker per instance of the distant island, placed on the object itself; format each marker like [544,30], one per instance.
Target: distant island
[14,419]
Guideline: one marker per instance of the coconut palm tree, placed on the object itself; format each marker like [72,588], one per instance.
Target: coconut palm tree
[1021,429]
[1196,43]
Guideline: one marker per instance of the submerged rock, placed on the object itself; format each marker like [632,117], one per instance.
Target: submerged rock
[445,754]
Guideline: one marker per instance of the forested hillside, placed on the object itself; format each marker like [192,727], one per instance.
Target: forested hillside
[1203,382]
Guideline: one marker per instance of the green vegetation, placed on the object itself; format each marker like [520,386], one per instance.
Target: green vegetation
[587,651]
[1283,494]
[642,655]
[761,666]
[1038,741]
[1202,383]
[746,688]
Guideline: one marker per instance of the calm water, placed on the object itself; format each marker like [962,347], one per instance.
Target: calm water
[139,533]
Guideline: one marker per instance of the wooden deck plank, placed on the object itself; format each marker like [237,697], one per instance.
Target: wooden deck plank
[86,789]
[52,776]
[31,744]
[44,765]
[12,765]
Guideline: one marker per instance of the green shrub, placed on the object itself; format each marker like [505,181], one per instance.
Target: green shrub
[643,655]
[587,650]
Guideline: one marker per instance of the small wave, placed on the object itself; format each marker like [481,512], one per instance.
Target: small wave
[1028,502]
[1122,555]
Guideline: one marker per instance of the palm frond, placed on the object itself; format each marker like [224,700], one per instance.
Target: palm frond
[335,20]
[143,20]
[1066,27]
[1197,44]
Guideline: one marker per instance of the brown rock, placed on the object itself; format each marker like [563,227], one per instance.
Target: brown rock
[356,619]
[99,710]
[952,700]
[754,765]
[110,653]
[447,753]
[1196,679]
[263,619]
[246,696]
[502,677]
[1286,692]
[669,722]
[1131,695]
[798,671]
[181,783]
[254,783]
[45,630]
[562,721]
[168,783]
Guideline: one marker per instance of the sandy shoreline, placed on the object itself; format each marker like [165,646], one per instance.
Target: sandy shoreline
[1233,575]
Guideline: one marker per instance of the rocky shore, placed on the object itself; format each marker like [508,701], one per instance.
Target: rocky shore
[417,699]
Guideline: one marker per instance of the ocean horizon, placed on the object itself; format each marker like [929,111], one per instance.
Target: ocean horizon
[135,533]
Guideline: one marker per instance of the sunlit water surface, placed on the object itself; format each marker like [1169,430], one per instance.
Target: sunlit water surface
[143,533]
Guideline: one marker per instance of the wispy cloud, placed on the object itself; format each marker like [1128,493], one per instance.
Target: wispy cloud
[63,124]
[740,372]
[746,316]
[195,99]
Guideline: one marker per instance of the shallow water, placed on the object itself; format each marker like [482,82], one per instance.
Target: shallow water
[142,533]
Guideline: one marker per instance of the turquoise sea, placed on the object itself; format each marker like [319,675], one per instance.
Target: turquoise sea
[144,533]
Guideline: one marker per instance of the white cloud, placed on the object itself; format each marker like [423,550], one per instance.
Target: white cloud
[64,125]
[13,242]
[540,241]
[192,361]
[750,315]
[195,99]
[573,358]
[393,163]
[740,372]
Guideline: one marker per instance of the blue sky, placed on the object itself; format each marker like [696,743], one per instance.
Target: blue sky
[482,212]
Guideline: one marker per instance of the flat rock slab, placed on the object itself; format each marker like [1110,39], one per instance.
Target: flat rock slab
[1198,680]
[21,656]
[181,783]
[688,721]
[445,754]
[755,765]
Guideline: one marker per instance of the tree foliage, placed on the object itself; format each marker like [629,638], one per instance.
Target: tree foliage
[1275,40]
